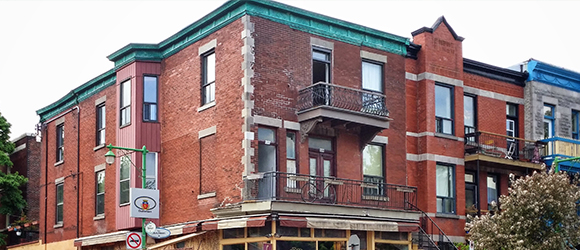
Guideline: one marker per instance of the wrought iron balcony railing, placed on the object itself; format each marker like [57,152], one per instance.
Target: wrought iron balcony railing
[357,100]
[502,146]
[329,190]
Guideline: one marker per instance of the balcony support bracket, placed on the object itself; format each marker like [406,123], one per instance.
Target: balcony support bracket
[367,134]
[307,126]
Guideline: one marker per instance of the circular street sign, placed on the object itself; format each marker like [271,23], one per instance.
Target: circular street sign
[133,241]
[150,227]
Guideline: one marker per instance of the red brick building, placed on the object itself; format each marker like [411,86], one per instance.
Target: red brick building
[23,230]
[268,124]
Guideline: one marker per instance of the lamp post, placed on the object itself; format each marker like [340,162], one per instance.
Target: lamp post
[110,159]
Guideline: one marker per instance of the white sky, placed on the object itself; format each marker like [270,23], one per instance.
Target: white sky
[47,48]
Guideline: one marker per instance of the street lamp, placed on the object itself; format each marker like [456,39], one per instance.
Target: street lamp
[110,159]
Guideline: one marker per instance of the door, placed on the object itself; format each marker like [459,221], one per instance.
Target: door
[321,164]
[512,148]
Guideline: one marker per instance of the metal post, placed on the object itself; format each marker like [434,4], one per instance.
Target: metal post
[144,152]
[143,183]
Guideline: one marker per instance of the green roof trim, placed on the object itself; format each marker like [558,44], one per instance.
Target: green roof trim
[296,18]
[78,94]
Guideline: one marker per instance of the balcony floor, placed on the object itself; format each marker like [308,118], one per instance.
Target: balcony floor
[502,161]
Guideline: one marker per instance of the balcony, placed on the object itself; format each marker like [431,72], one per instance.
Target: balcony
[320,190]
[503,150]
[562,148]
[342,106]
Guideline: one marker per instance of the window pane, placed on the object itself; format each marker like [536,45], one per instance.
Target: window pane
[574,121]
[319,143]
[210,68]
[447,127]
[150,89]
[124,189]
[372,76]
[126,93]
[266,158]
[443,181]
[291,145]
[469,111]
[59,193]
[373,160]
[548,111]
[265,134]
[59,213]
[511,110]
[125,167]
[101,182]
[491,189]
[100,204]
[443,101]
[151,171]
[320,56]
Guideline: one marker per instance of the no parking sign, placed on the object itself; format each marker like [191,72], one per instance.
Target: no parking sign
[133,240]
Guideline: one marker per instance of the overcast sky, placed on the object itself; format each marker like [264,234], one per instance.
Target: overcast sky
[47,48]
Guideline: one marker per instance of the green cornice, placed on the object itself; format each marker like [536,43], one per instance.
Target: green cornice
[296,18]
[78,94]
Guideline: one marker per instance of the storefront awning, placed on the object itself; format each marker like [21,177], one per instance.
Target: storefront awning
[346,224]
[176,240]
[257,221]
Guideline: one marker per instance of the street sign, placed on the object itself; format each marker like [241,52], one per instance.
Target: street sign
[144,203]
[159,233]
[133,240]
[150,227]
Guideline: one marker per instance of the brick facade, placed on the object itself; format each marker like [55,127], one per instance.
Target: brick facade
[208,168]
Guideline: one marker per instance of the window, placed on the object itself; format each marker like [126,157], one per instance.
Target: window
[470,192]
[372,76]
[512,145]
[575,124]
[59,202]
[125,176]
[60,143]
[208,79]
[151,171]
[100,200]
[445,189]
[125,102]
[444,109]
[101,124]
[149,98]
[267,160]
[372,80]
[320,65]
[492,192]
[469,114]
[549,118]
[373,164]
[291,157]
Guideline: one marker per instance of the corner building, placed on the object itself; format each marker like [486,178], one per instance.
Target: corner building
[271,127]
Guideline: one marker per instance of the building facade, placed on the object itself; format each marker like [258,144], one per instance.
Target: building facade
[552,109]
[272,127]
[22,229]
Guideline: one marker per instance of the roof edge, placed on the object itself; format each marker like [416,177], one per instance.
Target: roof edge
[436,25]
[494,72]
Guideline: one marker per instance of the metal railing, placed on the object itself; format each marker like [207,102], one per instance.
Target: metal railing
[502,146]
[328,190]
[24,237]
[325,94]
[564,147]
[431,236]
